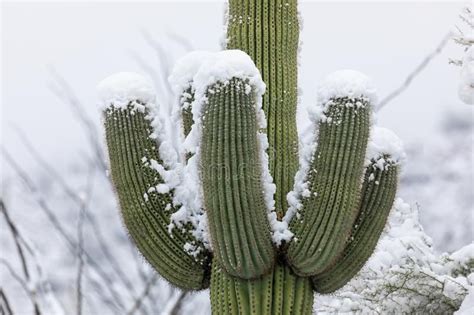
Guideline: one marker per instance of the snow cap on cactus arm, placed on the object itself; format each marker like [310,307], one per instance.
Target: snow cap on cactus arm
[225,65]
[384,147]
[347,83]
[186,68]
[124,87]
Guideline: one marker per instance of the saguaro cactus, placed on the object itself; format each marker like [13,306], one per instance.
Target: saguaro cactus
[225,195]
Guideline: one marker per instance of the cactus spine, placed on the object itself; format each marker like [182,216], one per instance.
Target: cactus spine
[340,215]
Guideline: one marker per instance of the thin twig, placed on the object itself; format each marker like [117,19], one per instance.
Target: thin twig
[15,234]
[78,200]
[31,293]
[174,308]
[415,72]
[80,238]
[146,291]
[72,245]
[5,308]
[64,92]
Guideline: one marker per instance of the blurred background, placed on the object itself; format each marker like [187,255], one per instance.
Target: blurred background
[57,201]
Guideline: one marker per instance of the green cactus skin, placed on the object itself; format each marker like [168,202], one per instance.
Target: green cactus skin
[268,31]
[325,220]
[280,292]
[233,192]
[378,194]
[127,134]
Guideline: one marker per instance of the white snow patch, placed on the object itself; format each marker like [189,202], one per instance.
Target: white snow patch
[467,306]
[404,249]
[122,88]
[186,68]
[347,83]
[382,142]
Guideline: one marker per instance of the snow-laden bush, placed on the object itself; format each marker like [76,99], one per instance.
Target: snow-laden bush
[404,275]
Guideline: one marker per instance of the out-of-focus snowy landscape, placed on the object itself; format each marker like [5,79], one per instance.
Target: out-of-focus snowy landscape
[59,206]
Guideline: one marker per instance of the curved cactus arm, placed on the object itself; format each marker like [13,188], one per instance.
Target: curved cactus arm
[230,164]
[145,201]
[378,194]
[280,292]
[330,200]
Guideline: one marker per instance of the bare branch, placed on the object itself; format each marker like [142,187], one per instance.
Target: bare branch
[146,291]
[175,305]
[24,284]
[78,200]
[181,40]
[14,232]
[72,245]
[64,92]
[415,72]
[80,238]
[5,308]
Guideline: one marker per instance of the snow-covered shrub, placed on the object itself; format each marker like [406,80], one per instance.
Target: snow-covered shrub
[405,275]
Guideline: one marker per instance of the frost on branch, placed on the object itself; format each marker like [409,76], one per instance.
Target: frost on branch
[465,38]
[466,85]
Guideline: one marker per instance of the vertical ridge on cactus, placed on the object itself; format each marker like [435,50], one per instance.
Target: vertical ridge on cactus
[262,228]
[279,292]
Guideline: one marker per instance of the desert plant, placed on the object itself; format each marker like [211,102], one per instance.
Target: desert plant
[225,195]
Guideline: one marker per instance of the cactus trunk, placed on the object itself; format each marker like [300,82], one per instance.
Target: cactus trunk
[279,292]
[268,31]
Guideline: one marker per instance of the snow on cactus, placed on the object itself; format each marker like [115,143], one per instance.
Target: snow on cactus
[227,206]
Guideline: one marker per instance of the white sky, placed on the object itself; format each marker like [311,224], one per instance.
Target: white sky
[86,42]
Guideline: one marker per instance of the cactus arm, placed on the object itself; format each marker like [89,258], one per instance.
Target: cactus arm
[334,178]
[378,194]
[233,192]
[279,292]
[269,33]
[147,215]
